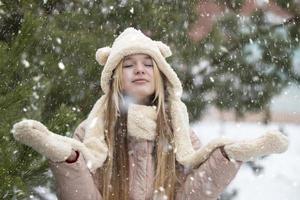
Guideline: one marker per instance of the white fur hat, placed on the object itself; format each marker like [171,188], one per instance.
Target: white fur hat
[132,41]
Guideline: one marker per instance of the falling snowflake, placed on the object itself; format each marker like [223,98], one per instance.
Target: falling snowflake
[25,63]
[61,65]
[58,40]
[131,10]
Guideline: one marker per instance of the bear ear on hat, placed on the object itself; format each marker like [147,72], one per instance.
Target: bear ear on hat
[164,49]
[102,55]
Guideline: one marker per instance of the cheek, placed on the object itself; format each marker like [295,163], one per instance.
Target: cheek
[151,75]
[126,77]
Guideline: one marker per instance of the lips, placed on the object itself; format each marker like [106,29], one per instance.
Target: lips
[140,80]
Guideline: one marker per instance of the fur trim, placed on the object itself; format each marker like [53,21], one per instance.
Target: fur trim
[164,49]
[201,155]
[181,129]
[141,121]
[94,158]
[94,138]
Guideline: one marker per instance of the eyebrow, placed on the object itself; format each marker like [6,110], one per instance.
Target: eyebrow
[129,57]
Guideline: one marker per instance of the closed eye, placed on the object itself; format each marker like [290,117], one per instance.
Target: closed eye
[127,66]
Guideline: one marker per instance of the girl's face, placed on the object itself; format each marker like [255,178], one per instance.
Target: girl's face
[138,79]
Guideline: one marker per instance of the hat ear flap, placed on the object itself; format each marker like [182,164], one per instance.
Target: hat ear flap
[102,55]
[164,49]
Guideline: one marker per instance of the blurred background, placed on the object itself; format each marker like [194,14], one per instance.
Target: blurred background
[239,62]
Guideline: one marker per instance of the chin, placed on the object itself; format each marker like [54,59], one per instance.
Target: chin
[143,95]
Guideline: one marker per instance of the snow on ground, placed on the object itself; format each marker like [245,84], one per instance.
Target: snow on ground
[280,179]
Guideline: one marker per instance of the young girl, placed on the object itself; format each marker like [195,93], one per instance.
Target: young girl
[136,142]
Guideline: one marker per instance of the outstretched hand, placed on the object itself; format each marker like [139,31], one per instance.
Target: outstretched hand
[36,135]
[23,130]
[56,147]
[270,143]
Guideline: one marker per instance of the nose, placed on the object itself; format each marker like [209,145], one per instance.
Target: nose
[139,68]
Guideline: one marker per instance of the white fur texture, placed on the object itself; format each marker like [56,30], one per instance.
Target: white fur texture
[181,129]
[272,142]
[94,138]
[199,156]
[53,146]
[36,135]
[164,49]
[141,121]
[102,55]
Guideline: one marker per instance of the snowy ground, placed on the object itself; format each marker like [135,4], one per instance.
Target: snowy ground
[280,179]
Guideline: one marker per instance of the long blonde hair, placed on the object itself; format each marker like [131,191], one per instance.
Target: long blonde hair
[115,172]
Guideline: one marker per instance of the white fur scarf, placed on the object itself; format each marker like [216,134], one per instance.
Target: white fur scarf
[141,124]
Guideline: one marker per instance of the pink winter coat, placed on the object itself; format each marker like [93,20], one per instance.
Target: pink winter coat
[75,182]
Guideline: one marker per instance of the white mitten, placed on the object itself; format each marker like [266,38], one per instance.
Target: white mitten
[55,147]
[272,142]
[34,134]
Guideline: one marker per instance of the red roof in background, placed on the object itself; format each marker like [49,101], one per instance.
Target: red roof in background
[208,11]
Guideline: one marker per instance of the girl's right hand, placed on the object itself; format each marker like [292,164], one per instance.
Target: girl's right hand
[34,134]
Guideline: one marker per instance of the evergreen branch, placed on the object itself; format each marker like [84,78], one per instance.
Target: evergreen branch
[243,40]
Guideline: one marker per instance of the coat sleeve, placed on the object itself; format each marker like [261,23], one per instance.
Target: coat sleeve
[209,180]
[74,180]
